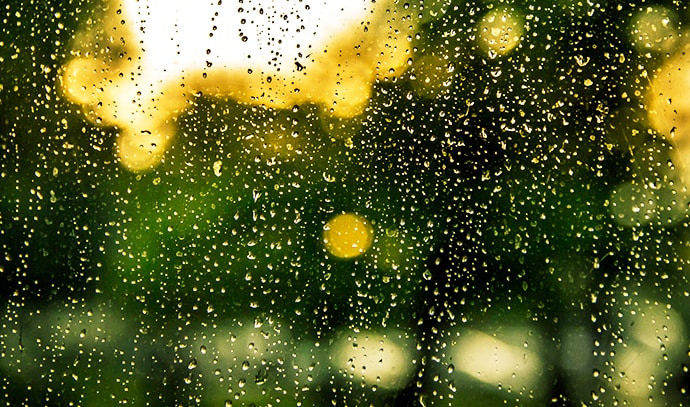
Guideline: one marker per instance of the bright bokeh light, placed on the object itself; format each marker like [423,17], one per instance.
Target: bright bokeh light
[500,31]
[347,235]
[493,361]
[655,339]
[377,359]
[658,327]
[637,369]
[654,29]
[632,204]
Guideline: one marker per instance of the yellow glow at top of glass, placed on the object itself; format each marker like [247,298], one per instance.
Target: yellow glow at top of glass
[268,37]
[347,235]
[158,54]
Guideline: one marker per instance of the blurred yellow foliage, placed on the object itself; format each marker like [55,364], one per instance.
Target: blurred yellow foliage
[144,61]
[668,107]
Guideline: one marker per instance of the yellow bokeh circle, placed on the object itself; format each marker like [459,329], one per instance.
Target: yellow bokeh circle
[347,235]
[500,31]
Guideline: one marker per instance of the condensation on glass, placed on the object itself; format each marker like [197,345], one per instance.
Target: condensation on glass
[344,203]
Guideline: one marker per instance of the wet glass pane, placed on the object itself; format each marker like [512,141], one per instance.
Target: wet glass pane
[345,203]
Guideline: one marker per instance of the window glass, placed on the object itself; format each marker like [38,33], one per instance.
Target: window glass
[263,203]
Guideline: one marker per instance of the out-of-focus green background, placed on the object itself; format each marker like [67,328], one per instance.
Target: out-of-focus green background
[530,229]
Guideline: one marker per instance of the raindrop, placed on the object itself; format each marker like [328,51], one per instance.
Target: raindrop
[192,364]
